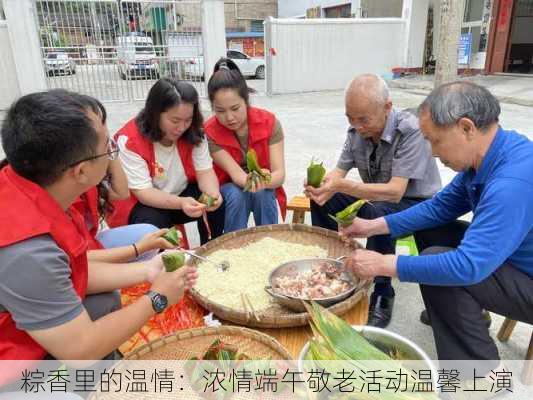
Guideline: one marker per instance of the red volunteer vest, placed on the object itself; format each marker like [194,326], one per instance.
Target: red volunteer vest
[145,148]
[29,211]
[87,206]
[260,129]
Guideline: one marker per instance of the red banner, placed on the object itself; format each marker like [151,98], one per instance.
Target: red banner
[504,18]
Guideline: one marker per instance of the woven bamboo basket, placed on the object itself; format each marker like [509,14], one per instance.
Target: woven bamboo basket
[277,316]
[184,345]
[194,342]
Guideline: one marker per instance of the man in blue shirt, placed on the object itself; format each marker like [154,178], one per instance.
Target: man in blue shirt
[491,266]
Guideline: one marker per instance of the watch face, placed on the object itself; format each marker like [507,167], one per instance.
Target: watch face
[160,302]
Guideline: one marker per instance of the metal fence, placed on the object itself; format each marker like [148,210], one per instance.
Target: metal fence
[115,50]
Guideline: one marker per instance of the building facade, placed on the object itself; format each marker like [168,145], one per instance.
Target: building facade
[496,35]
[510,40]
[244,21]
[340,8]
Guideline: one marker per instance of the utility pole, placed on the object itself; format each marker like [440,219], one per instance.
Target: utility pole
[451,16]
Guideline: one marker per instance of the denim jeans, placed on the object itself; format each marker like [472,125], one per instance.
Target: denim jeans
[239,205]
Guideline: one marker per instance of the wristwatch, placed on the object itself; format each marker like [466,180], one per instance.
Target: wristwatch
[159,301]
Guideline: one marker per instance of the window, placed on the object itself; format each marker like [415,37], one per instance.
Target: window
[236,55]
[143,48]
[524,8]
[57,56]
[473,23]
[257,25]
[473,10]
[476,33]
[344,11]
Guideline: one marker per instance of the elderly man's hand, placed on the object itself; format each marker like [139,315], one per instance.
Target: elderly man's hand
[360,228]
[363,228]
[322,194]
[366,264]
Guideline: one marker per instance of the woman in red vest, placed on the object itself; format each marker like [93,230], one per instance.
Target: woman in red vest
[166,159]
[235,128]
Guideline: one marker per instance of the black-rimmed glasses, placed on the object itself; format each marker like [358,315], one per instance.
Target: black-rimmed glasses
[111,153]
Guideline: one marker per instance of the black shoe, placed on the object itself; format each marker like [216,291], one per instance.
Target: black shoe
[380,310]
[424,318]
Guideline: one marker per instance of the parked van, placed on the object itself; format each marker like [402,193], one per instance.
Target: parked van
[137,57]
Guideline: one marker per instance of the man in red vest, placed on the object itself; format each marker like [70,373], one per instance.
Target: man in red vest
[52,302]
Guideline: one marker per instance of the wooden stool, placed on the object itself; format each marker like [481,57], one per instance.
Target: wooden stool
[503,336]
[299,205]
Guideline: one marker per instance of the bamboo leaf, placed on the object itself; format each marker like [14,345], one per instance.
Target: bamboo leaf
[173,261]
[173,236]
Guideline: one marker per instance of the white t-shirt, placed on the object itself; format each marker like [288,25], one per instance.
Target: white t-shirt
[169,175]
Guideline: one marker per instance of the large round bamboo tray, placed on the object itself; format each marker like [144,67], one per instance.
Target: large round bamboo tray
[277,316]
[189,343]
[170,352]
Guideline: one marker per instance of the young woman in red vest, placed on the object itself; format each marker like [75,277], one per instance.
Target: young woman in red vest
[235,128]
[166,159]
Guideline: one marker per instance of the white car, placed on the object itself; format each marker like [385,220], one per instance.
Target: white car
[249,66]
[59,63]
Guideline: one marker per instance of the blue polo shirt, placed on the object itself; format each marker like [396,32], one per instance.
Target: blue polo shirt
[500,195]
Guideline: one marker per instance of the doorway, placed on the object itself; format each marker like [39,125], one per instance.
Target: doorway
[520,59]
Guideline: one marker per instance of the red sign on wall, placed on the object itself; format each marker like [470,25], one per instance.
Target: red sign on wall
[504,19]
[248,46]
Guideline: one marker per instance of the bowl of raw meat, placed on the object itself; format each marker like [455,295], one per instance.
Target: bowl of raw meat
[323,280]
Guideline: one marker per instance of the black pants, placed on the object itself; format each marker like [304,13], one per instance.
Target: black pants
[383,244]
[458,326]
[167,218]
[98,306]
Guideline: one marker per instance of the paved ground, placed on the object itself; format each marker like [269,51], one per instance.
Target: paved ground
[515,89]
[315,126]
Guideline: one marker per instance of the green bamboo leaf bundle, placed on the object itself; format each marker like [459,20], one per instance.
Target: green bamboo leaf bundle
[173,236]
[345,217]
[219,357]
[335,340]
[209,201]
[255,174]
[173,261]
[315,174]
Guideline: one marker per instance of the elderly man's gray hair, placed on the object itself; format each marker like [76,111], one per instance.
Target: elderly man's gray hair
[371,86]
[450,102]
